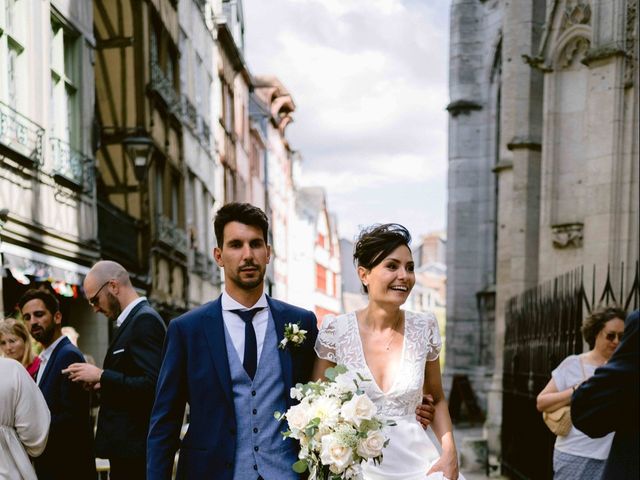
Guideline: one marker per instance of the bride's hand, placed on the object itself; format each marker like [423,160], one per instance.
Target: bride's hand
[448,465]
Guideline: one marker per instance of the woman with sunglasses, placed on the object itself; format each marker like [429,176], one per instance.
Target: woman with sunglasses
[575,455]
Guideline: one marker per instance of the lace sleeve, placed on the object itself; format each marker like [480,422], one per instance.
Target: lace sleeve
[432,337]
[326,342]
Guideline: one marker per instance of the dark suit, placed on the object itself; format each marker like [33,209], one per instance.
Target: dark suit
[609,402]
[127,386]
[195,370]
[69,451]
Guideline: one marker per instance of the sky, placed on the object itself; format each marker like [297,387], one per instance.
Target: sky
[369,80]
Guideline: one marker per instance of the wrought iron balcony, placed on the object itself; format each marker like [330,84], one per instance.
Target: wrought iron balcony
[72,167]
[171,235]
[201,264]
[118,234]
[161,84]
[204,266]
[205,135]
[189,114]
[20,135]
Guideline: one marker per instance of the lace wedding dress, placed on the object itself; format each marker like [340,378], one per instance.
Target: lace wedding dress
[410,452]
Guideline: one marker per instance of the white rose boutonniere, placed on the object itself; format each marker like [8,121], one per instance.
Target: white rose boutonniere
[293,335]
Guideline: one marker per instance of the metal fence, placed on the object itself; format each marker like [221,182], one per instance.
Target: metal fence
[542,328]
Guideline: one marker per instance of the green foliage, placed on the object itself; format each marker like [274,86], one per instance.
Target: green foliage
[300,466]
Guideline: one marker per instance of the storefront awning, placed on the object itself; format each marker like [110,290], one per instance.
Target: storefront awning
[62,274]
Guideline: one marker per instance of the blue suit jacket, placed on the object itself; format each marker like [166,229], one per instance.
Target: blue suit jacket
[608,402]
[71,429]
[195,370]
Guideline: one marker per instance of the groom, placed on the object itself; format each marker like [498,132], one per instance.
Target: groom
[223,360]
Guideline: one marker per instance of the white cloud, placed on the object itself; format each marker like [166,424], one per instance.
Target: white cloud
[369,78]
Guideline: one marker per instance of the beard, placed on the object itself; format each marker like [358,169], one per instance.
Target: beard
[250,283]
[113,307]
[44,335]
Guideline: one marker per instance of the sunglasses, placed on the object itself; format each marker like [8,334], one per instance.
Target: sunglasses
[93,301]
[611,336]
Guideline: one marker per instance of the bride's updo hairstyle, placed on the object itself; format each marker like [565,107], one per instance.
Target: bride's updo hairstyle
[376,242]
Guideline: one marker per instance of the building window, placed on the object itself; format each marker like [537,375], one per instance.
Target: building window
[229,185]
[227,107]
[159,189]
[321,278]
[175,199]
[12,48]
[65,114]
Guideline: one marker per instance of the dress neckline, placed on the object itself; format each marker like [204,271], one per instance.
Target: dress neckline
[354,318]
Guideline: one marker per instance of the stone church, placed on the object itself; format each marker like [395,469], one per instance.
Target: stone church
[543,165]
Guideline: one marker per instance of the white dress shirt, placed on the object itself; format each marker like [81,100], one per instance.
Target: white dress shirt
[235,325]
[44,358]
[125,313]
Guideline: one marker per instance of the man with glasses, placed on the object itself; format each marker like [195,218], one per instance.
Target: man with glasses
[128,378]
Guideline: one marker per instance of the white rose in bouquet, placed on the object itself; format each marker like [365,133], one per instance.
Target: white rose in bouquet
[326,409]
[298,417]
[372,445]
[335,454]
[353,472]
[337,426]
[359,408]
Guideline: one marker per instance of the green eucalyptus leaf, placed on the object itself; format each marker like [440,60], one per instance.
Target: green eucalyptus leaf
[300,466]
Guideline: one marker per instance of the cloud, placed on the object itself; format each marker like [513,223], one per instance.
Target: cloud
[369,78]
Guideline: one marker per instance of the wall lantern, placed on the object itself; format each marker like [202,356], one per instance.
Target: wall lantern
[140,151]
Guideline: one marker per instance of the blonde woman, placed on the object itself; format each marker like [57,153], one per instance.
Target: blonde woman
[15,342]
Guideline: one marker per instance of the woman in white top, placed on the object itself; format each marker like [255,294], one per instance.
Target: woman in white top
[397,351]
[24,421]
[575,455]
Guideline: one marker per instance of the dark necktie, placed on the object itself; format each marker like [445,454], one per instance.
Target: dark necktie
[250,361]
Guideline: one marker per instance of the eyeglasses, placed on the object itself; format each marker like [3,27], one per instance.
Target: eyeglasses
[611,336]
[93,301]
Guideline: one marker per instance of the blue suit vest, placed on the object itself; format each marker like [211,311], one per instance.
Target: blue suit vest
[261,451]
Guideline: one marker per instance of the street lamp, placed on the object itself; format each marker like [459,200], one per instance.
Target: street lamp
[139,149]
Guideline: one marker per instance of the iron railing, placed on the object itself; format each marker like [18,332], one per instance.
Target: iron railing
[161,84]
[196,123]
[119,234]
[542,328]
[73,166]
[171,235]
[189,114]
[205,135]
[21,135]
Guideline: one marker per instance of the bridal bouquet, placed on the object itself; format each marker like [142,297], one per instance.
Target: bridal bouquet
[337,426]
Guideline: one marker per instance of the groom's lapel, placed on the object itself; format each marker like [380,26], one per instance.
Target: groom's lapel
[280,317]
[214,331]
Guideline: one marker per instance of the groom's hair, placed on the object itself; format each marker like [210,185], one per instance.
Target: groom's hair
[240,212]
[376,242]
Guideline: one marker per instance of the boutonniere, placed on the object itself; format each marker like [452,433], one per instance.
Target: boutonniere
[292,334]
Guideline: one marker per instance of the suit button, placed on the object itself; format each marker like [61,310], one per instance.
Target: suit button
[232,431]
[255,429]
[255,411]
[253,393]
[229,464]
[255,449]
[255,467]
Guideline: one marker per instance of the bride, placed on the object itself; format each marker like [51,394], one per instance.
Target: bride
[398,351]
